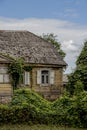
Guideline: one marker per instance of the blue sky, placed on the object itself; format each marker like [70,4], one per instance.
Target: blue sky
[72,10]
[65,18]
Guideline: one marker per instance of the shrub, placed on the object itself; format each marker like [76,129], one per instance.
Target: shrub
[39,108]
[29,107]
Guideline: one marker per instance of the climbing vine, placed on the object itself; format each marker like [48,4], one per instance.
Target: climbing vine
[16,70]
[27,68]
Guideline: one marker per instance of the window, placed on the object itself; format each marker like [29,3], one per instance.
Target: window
[25,81]
[4,76]
[27,78]
[44,76]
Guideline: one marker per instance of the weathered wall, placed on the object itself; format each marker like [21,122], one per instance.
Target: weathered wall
[5,89]
[6,92]
[51,91]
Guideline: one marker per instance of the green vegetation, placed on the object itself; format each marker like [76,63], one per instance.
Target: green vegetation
[80,73]
[27,107]
[51,38]
[15,70]
[35,127]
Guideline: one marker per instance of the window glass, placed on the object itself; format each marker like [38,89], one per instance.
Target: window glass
[45,77]
[27,78]
[4,77]
[42,79]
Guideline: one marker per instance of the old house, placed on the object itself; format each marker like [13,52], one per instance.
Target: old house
[47,64]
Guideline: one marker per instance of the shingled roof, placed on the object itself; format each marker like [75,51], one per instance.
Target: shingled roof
[30,47]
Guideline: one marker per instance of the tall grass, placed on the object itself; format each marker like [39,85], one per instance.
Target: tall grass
[35,127]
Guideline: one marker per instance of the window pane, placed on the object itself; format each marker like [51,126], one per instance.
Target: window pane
[42,79]
[1,78]
[27,78]
[6,78]
[46,78]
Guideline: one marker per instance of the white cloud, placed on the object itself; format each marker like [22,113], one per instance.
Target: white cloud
[72,50]
[69,46]
[70,35]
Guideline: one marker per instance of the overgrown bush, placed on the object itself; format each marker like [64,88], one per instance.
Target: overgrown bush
[29,107]
[39,108]
[23,96]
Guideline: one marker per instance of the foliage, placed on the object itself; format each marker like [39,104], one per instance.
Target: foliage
[22,96]
[27,68]
[78,88]
[30,108]
[72,111]
[15,70]
[82,59]
[34,127]
[80,72]
[77,113]
[52,39]
[39,108]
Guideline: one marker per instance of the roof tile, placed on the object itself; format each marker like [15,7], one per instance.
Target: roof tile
[29,46]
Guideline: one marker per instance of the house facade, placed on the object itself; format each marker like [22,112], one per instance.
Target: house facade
[47,65]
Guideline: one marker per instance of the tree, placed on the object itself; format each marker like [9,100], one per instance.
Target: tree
[53,39]
[82,59]
[80,72]
[78,88]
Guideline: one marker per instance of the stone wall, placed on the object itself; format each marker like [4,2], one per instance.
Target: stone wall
[5,99]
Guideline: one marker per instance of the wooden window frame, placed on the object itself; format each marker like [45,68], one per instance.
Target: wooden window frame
[3,73]
[45,78]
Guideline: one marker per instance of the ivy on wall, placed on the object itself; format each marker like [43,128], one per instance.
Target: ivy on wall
[16,70]
[27,68]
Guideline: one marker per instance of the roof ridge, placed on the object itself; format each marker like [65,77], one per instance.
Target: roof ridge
[13,31]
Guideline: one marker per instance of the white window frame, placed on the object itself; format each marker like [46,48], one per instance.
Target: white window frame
[45,77]
[26,78]
[51,76]
[4,75]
